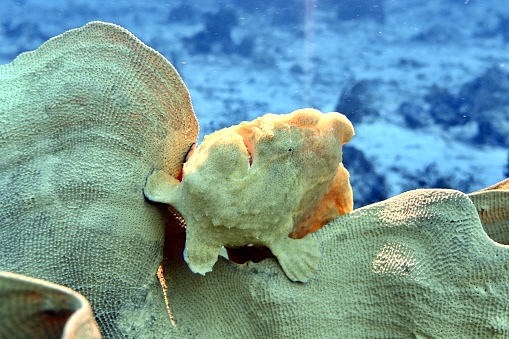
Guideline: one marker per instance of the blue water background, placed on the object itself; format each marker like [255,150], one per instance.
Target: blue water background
[424,68]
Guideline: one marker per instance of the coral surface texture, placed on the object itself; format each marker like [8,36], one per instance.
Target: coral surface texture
[88,116]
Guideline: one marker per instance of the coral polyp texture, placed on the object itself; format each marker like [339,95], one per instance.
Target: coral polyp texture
[269,182]
[418,265]
[492,204]
[83,120]
[86,118]
[34,308]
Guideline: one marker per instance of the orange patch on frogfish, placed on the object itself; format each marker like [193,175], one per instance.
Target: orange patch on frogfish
[337,201]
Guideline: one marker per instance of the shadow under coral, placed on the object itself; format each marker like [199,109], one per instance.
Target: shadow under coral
[175,238]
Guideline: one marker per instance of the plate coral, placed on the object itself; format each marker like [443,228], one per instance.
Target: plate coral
[85,119]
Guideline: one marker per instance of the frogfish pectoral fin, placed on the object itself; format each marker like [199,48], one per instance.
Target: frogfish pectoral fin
[299,258]
[161,187]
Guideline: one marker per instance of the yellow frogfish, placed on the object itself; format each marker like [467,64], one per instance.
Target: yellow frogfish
[269,182]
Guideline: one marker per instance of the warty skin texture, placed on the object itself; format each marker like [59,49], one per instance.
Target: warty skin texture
[422,264]
[259,183]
